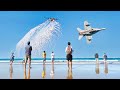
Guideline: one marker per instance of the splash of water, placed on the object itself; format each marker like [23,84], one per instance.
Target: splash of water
[40,37]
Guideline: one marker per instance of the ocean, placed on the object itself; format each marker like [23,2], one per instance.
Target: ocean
[60,59]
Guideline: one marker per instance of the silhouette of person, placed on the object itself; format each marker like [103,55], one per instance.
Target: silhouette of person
[105,57]
[44,56]
[69,51]
[28,50]
[12,58]
[52,57]
[96,56]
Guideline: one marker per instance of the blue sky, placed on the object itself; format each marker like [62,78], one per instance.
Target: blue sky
[15,24]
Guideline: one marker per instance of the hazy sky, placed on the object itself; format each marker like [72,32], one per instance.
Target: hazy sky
[15,24]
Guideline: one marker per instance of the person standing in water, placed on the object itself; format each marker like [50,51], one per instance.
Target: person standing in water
[12,58]
[28,50]
[96,57]
[105,57]
[68,51]
[44,56]
[52,57]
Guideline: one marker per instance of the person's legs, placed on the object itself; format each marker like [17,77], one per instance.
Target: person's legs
[44,59]
[10,62]
[97,59]
[29,60]
[71,61]
[52,60]
[67,60]
[68,63]
[26,58]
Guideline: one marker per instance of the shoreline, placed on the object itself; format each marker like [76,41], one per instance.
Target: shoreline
[65,62]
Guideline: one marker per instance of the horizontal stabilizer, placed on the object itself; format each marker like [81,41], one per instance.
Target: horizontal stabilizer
[80,37]
[78,29]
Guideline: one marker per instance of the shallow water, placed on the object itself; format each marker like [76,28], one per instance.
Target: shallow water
[60,71]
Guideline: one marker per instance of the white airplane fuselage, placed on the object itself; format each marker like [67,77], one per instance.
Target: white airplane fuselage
[88,32]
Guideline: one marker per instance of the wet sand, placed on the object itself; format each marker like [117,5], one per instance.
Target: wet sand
[83,70]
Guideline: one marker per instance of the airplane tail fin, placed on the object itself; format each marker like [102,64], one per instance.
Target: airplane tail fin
[87,25]
[78,29]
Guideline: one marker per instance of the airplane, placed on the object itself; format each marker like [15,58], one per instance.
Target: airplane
[88,31]
[52,19]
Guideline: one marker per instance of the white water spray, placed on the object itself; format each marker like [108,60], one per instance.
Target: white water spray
[40,37]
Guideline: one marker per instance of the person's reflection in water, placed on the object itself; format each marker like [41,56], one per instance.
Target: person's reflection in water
[97,67]
[70,73]
[25,75]
[106,67]
[52,71]
[28,73]
[44,71]
[11,71]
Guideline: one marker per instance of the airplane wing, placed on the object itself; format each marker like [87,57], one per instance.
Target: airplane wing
[89,38]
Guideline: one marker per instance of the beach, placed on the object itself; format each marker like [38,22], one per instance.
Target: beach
[80,70]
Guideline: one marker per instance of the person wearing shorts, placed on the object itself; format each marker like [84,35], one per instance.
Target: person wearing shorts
[44,56]
[12,58]
[68,51]
[52,57]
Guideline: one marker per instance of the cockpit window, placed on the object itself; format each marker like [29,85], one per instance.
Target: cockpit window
[87,25]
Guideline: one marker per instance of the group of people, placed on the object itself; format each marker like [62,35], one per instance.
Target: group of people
[68,50]
[28,50]
[69,57]
[104,57]
[44,56]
